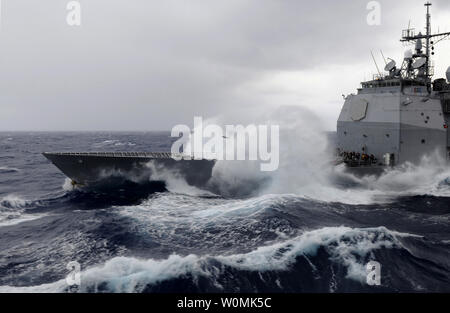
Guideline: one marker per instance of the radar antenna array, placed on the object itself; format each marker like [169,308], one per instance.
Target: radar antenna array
[409,36]
[419,63]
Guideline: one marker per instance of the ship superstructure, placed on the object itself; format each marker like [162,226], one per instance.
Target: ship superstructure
[401,115]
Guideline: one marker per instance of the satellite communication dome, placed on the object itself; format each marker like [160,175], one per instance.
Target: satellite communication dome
[448,74]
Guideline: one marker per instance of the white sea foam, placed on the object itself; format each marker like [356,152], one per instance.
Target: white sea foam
[8,169]
[174,181]
[350,247]
[113,142]
[213,220]
[12,210]
[124,144]
[14,219]
[306,168]
[429,177]
[342,243]
[13,202]
[67,185]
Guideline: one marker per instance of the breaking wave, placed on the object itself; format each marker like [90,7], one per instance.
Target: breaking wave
[174,181]
[14,202]
[13,210]
[6,169]
[273,267]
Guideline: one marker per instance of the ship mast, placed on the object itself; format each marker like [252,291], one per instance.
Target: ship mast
[428,4]
[408,36]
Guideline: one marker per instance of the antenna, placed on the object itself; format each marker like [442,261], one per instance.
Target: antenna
[390,66]
[376,65]
[385,63]
[419,63]
[410,37]
[427,70]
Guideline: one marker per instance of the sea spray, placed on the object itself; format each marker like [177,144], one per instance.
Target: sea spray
[306,169]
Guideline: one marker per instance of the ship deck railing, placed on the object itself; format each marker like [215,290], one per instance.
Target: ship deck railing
[153,155]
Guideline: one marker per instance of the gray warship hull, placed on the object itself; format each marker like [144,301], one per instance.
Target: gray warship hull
[94,168]
[400,116]
[404,122]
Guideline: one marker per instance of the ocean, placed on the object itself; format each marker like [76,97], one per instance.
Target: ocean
[308,227]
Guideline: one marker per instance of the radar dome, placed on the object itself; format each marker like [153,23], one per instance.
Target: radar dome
[448,74]
[419,43]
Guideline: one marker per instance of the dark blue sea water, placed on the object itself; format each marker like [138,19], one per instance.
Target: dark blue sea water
[308,228]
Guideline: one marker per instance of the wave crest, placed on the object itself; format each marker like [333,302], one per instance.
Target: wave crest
[349,247]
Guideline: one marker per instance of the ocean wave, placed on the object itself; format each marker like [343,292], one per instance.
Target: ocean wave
[174,181]
[113,142]
[14,202]
[16,218]
[220,224]
[6,169]
[13,210]
[430,177]
[350,248]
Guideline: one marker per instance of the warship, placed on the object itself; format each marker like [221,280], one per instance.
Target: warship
[400,115]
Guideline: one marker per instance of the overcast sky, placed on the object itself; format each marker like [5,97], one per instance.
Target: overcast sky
[149,65]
